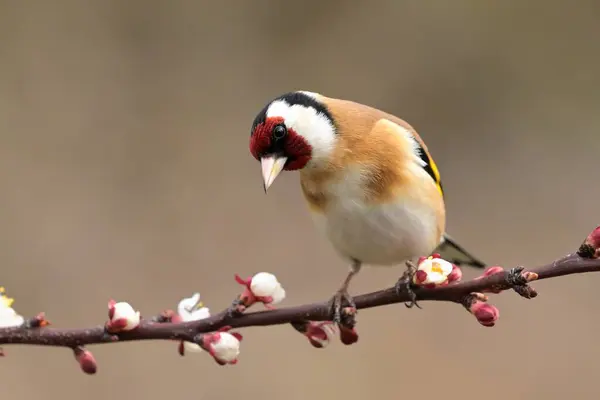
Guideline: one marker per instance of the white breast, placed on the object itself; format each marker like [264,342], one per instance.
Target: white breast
[386,234]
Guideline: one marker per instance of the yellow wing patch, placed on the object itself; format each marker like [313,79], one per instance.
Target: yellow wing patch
[431,167]
[436,177]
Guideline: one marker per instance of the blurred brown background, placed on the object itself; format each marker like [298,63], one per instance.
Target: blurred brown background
[125,173]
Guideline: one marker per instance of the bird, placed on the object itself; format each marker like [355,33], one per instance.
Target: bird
[370,183]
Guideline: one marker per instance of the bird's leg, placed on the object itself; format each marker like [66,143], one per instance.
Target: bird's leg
[342,297]
[404,285]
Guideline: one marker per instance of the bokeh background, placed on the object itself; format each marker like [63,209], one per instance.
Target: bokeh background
[125,173]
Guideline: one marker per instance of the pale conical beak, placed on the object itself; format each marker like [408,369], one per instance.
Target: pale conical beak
[272,165]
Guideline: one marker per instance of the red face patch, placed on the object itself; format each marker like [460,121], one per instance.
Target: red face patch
[294,146]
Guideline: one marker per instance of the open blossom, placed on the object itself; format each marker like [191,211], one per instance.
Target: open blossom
[8,316]
[262,287]
[223,346]
[434,271]
[122,317]
[192,309]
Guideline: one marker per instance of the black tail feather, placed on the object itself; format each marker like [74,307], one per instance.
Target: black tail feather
[451,251]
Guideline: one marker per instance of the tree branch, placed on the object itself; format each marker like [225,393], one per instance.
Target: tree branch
[165,327]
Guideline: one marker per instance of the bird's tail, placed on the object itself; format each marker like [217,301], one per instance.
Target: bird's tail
[451,251]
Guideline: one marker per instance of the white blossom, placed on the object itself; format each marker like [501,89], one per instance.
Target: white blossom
[122,316]
[225,347]
[8,316]
[433,271]
[192,309]
[265,285]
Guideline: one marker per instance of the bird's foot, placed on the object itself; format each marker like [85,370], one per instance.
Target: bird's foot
[404,285]
[343,308]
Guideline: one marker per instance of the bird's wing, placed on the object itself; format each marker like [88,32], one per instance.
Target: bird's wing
[430,166]
[451,251]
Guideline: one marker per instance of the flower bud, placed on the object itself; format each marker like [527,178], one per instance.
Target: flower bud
[348,335]
[486,314]
[122,317]
[262,287]
[488,272]
[319,333]
[455,275]
[224,347]
[491,271]
[39,321]
[590,248]
[86,360]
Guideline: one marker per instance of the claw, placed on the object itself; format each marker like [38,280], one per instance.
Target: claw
[338,302]
[404,285]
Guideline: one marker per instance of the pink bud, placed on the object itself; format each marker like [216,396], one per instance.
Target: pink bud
[111,308]
[491,271]
[318,333]
[86,360]
[247,298]
[420,277]
[169,316]
[455,275]
[488,272]
[486,314]
[348,335]
[594,237]
[480,296]
[225,328]
[530,276]
[39,321]
[591,246]
[434,285]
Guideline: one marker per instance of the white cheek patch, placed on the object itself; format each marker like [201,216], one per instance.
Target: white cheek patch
[314,127]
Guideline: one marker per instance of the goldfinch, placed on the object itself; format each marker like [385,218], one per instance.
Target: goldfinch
[367,176]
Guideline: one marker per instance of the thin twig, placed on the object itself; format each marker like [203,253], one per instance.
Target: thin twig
[152,330]
[312,320]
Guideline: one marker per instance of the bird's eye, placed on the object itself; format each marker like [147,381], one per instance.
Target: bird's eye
[279,132]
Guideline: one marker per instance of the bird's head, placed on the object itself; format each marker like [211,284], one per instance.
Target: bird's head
[291,132]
